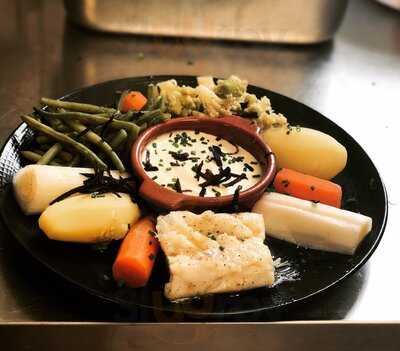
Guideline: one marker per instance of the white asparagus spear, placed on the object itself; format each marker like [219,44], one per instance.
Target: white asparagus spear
[311,225]
[35,186]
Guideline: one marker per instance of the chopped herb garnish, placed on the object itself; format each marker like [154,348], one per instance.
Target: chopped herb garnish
[154,178]
[248,167]
[148,167]
[179,156]
[196,132]
[235,200]
[152,233]
[218,138]
[217,154]
[193,152]
[168,169]
[256,175]
[235,181]
[221,248]
[216,192]
[96,194]
[254,162]
[211,236]
[176,185]
[154,145]
[100,184]
[202,192]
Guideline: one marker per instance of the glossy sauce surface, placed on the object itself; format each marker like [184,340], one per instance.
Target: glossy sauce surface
[197,163]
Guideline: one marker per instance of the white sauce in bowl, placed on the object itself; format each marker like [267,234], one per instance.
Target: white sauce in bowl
[197,163]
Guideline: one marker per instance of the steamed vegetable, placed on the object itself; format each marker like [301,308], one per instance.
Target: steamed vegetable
[35,186]
[311,225]
[89,218]
[63,138]
[137,254]
[308,187]
[306,150]
[77,106]
[133,100]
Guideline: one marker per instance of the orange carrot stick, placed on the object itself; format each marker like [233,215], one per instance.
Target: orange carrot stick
[307,187]
[136,255]
[134,100]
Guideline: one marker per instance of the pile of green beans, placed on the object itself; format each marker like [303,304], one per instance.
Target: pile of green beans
[79,134]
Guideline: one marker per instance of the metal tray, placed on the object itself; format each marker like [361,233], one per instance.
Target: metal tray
[288,21]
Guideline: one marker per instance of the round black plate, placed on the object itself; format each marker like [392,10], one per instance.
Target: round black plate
[314,271]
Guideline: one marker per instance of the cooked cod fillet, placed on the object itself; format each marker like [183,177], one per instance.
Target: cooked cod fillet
[213,253]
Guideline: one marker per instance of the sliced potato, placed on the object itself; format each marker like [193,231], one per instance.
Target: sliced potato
[86,219]
[307,151]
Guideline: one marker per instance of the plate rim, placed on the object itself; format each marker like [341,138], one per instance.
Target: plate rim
[122,302]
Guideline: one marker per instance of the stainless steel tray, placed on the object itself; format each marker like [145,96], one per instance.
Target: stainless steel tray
[283,21]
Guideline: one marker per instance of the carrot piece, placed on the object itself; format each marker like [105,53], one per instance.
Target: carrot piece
[136,254]
[307,187]
[134,100]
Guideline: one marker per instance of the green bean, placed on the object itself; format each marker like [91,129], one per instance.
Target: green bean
[57,125]
[159,119]
[120,137]
[44,147]
[85,151]
[99,142]
[131,128]
[65,156]
[160,104]
[50,154]
[147,117]
[75,161]
[152,94]
[43,139]
[92,119]
[76,106]
[34,157]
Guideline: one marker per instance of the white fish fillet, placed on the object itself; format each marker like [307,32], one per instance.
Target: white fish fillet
[316,226]
[212,253]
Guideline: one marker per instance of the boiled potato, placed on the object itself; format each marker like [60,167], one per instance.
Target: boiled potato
[86,219]
[306,150]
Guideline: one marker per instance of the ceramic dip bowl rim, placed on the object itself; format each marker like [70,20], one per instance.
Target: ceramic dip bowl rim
[168,199]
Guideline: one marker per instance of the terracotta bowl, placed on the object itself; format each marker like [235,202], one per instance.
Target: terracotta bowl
[231,128]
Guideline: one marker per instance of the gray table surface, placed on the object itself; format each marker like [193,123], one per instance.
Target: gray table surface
[354,80]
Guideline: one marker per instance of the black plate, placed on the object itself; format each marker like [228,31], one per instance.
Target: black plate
[316,271]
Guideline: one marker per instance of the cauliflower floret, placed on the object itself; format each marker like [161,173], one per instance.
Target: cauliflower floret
[207,81]
[267,120]
[212,104]
[233,86]
[224,98]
